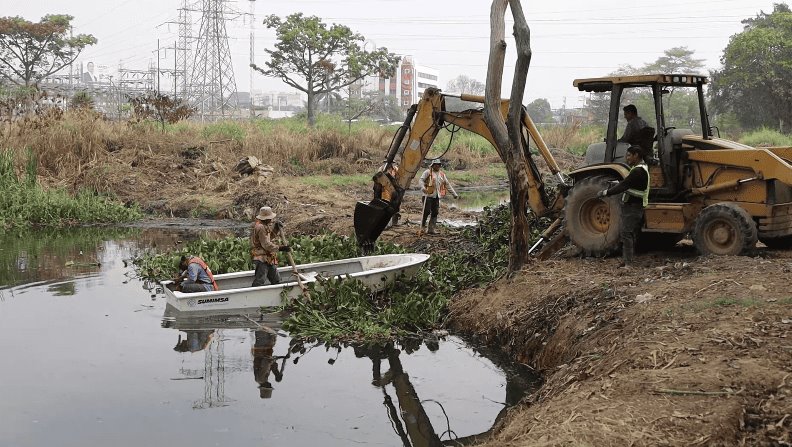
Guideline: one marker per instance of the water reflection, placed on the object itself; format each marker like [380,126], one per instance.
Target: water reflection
[408,415]
[210,381]
[54,255]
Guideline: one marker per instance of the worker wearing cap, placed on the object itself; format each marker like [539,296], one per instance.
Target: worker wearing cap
[264,361]
[434,185]
[262,248]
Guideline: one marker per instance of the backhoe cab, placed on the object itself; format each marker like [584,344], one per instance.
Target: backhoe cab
[726,195]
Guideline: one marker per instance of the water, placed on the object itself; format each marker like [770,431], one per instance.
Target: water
[91,356]
[476,200]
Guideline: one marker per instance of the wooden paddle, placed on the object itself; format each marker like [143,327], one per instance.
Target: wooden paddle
[294,267]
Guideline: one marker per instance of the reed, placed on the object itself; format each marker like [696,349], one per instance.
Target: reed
[24,203]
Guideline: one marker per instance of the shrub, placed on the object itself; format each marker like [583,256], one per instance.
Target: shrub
[765,137]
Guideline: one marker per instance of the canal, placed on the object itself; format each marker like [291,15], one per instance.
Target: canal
[91,355]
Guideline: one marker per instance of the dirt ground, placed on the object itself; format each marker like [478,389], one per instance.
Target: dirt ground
[680,350]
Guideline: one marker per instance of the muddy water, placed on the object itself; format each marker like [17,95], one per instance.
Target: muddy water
[476,200]
[91,356]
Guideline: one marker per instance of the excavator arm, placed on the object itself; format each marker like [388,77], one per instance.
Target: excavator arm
[421,126]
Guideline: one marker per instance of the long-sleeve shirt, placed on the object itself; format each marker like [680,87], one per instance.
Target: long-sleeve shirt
[261,246]
[440,182]
[196,274]
[636,179]
[631,131]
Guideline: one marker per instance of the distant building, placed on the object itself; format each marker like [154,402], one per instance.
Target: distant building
[278,101]
[409,83]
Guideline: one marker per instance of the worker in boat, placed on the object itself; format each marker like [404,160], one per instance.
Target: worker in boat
[635,196]
[435,186]
[264,361]
[196,340]
[263,249]
[195,276]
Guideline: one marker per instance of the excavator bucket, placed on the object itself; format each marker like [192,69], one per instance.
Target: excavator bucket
[370,219]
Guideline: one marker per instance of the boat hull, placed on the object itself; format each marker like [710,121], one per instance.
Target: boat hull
[235,293]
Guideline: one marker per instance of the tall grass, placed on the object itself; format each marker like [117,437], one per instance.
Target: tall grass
[765,137]
[573,137]
[81,149]
[24,203]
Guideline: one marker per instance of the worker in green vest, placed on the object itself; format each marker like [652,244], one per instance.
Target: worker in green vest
[635,196]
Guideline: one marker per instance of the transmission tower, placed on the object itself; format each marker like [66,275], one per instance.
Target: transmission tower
[213,89]
[183,53]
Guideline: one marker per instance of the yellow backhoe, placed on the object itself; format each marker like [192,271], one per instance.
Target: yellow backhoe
[723,194]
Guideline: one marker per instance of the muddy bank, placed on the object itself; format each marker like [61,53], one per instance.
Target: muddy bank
[679,351]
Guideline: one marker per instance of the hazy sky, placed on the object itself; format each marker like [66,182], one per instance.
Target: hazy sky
[570,39]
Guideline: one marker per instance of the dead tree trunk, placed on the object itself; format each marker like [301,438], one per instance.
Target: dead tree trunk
[507,133]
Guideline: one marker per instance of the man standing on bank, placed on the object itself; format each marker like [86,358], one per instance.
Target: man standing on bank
[635,196]
[434,185]
[262,248]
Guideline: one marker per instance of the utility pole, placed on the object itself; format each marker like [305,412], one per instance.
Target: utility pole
[252,19]
[71,35]
[158,67]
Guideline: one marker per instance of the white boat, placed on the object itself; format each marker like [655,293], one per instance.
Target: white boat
[235,292]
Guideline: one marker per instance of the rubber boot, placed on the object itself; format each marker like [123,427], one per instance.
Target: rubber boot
[628,251]
[432,225]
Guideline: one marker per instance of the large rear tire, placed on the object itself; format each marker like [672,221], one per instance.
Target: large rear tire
[724,229]
[593,224]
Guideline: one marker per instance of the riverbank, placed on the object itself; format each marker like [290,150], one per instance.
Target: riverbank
[681,350]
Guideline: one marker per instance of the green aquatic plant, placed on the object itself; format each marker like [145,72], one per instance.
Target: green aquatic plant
[24,203]
[232,254]
[346,310]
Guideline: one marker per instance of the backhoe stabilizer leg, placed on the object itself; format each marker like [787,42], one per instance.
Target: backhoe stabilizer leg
[553,244]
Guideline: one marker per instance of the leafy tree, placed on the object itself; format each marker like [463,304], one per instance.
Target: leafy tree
[29,51]
[376,105]
[539,110]
[675,60]
[160,108]
[317,59]
[755,82]
[677,109]
[465,84]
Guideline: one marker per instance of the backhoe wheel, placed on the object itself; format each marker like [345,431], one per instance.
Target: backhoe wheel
[724,229]
[593,224]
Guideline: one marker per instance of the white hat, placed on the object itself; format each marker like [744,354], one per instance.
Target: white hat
[437,161]
[265,213]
